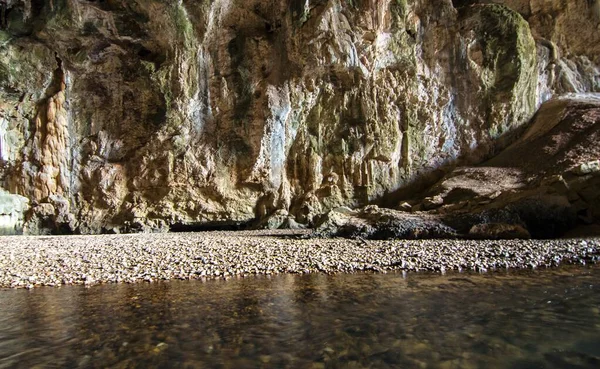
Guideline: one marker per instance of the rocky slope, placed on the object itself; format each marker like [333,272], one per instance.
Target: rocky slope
[542,186]
[144,115]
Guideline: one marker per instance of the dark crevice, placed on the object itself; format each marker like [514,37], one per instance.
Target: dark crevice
[149,56]
[37,8]
[58,78]
[59,63]
[463,3]
[3,23]
[209,226]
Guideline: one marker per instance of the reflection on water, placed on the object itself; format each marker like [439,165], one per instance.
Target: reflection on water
[546,319]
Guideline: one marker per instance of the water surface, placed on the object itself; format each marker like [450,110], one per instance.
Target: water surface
[533,319]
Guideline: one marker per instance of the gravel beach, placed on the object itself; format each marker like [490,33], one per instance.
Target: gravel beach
[27,262]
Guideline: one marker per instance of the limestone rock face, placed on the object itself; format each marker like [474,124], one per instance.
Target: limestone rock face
[140,115]
[545,183]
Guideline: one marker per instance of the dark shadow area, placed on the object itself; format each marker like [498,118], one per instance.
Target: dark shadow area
[462,3]
[209,226]
[425,180]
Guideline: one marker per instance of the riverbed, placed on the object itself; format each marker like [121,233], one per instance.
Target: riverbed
[544,318]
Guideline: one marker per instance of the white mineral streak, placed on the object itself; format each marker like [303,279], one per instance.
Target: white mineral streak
[4,148]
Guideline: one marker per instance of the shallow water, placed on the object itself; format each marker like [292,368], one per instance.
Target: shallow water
[533,319]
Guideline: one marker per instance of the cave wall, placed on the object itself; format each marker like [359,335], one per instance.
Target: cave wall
[142,114]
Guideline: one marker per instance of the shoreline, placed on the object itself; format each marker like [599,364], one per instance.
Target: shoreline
[34,261]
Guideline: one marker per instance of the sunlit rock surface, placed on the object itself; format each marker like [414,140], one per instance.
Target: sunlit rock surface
[142,115]
[542,186]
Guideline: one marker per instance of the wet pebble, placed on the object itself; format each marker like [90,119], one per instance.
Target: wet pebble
[28,262]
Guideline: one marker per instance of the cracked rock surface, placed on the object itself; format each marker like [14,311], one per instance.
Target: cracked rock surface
[542,186]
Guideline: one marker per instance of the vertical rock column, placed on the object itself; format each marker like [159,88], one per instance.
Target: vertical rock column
[50,144]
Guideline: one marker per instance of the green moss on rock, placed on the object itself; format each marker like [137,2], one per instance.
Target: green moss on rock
[509,56]
[508,45]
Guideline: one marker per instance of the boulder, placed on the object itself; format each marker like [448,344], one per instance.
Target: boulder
[499,231]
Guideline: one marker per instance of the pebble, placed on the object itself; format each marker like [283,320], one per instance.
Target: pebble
[29,262]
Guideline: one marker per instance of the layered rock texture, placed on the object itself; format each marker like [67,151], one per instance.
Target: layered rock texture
[149,115]
[541,186]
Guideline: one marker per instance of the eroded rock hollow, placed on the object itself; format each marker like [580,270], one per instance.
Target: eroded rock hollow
[149,115]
